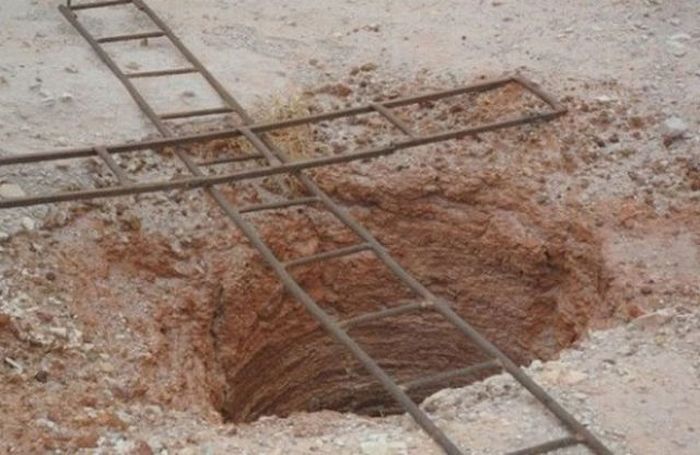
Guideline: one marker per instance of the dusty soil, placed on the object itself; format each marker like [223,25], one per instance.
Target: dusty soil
[147,324]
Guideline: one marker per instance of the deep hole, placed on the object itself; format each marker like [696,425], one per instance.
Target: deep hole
[527,278]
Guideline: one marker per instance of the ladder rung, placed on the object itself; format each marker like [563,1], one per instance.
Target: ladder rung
[112,165]
[279,205]
[130,37]
[99,4]
[197,113]
[329,254]
[395,311]
[397,122]
[232,159]
[555,444]
[162,72]
[447,375]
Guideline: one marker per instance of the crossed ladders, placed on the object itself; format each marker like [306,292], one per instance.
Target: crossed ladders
[271,160]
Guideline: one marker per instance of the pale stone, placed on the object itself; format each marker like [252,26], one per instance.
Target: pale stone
[675,127]
[60,332]
[655,320]
[11,191]
[28,223]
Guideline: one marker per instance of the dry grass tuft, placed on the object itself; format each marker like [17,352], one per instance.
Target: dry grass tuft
[297,143]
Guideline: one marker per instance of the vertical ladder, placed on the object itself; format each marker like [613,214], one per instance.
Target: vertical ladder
[577,433]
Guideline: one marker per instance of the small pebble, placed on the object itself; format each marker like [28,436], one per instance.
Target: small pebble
[28,223]
[42,376]
[675,127]
[11,191]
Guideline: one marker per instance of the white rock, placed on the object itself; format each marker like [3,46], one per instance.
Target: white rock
[60,332]
[580,396]
[550,376]
[676,44]
[675,127]
[655,320]
[106,367]
[4,236]
[46,423]
[536,365]
[382,447]
[605,99]
[66,97]
[11,191]
[677,49]
[572,377]
[28,223]
[680,37]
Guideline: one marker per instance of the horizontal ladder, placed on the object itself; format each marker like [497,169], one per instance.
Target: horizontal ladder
[280,204]
[159,73]
[196,113]
[333,254]
[130,37]
[92,5]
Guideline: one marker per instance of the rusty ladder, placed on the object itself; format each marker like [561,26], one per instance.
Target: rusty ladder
[277,163]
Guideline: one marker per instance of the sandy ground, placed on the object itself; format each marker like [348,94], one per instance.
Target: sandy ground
[629,72]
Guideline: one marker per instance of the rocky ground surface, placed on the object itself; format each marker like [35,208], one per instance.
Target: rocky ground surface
[117,317]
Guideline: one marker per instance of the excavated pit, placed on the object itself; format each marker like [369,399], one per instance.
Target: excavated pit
[218,332]
[527,277]
[221,332]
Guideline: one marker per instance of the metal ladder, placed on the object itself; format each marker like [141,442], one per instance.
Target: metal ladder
[426,300]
